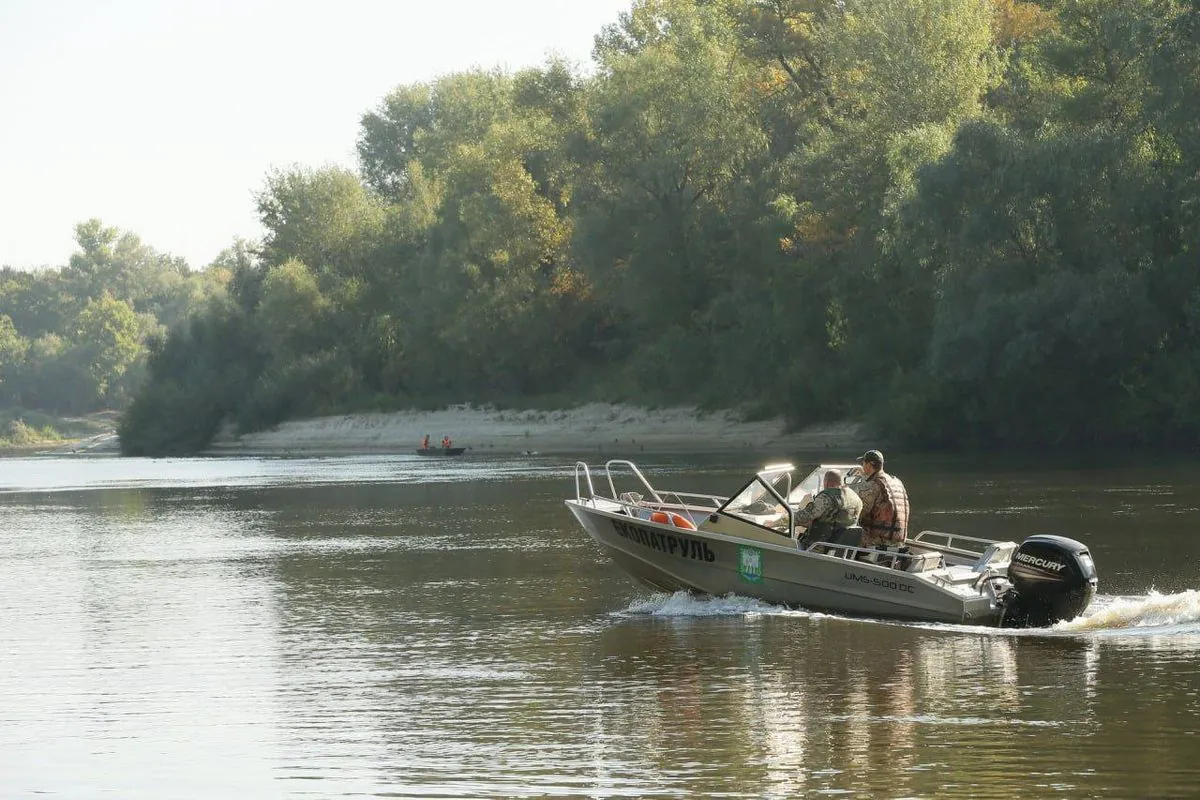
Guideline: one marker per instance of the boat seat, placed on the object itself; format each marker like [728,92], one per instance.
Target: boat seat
[901,558]
[849,536]
[923,562]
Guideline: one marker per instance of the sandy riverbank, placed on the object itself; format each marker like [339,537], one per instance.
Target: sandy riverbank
[596,428]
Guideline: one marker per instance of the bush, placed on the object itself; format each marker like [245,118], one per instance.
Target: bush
[18,433]
[167,419]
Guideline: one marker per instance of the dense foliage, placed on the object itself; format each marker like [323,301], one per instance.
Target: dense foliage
[971,223]
[75,339]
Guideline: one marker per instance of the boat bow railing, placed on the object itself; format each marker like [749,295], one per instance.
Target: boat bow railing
[660,498]
[620,462]
[582,469]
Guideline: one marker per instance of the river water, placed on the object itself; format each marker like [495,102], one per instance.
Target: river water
[392,626]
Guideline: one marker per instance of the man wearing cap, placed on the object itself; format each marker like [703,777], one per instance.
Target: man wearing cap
[884,517]
[831,512]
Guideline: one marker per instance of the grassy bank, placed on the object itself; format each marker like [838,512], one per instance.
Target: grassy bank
[24,429]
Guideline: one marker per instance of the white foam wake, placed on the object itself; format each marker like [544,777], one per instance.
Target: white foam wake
[1151,613]
[1154,610]
[682,604]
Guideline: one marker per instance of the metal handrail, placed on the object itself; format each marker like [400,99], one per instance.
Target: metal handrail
[587,474]
[656,494]
[949,544]
[848,551]
[633,467]
[715,500]
[660,498]
[845,550]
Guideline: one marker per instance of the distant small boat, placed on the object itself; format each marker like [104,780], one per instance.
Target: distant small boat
[441,451]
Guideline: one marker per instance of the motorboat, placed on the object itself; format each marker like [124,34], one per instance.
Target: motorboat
[749,544]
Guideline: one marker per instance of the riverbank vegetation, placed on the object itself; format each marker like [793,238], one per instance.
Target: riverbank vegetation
[74,339]
[23,429]
[969,223]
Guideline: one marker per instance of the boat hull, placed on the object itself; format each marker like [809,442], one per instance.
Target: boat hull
[440,451]
[671,559]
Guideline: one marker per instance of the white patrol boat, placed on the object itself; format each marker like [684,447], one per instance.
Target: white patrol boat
[748,545]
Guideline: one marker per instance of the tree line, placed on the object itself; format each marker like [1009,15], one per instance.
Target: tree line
[75,339]
[967,222]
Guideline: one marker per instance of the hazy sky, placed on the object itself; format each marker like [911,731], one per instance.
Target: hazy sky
[162,117]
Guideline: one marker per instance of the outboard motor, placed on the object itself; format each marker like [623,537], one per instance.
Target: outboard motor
[1053,578]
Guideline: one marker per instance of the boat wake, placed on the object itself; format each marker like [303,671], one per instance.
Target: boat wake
[682,604]
[1153,613]
[1179,612]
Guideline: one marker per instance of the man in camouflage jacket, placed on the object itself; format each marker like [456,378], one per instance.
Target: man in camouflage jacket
[884,516]
[833,510]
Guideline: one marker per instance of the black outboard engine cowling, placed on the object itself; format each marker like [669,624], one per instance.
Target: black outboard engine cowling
[1053,578]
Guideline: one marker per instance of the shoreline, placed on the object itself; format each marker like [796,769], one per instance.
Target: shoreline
[593,428]
[105,443]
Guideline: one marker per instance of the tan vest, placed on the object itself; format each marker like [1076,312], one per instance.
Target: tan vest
[889,517]
[848,507]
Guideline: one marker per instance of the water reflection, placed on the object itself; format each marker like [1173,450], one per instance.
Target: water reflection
[819,707]
[461,638]
[118,639]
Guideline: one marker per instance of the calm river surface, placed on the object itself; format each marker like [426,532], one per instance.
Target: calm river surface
[392,626]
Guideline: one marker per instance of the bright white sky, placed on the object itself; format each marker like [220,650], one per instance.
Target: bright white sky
[163,117]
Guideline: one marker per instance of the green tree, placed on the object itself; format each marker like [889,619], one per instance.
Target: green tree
[677,144]
[293,314]
[12,351]
[198,377]
[901,77]
[108,341]
[477,253]
[325,218]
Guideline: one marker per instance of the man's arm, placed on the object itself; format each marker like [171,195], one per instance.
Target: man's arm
[818,508]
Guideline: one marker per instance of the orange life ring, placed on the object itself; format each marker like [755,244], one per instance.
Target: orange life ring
[678,520]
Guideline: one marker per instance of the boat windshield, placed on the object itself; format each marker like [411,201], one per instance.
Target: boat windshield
[814,481]
[759,501]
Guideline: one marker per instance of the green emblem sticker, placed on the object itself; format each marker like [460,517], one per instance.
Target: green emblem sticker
[750,564]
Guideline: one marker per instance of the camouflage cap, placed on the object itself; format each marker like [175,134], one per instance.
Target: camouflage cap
[874,456]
